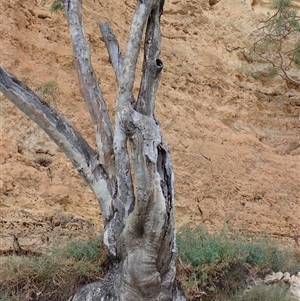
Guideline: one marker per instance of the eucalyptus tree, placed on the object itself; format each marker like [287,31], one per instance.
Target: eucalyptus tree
[130,172]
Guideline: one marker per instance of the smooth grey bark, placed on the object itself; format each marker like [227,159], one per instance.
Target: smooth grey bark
[131,172]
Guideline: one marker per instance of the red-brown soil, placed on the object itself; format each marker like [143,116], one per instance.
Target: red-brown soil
[234,139]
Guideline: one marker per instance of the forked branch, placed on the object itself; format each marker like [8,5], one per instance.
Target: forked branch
[140,17]
[123,169]
[83,157]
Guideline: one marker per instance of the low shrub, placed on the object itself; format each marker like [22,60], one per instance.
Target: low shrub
[214,265]
[55,275]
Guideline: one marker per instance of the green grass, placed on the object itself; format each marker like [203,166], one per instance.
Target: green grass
[219,264]
[47,88]
[4,297]
[49,92]
[54,275]
[210,267]
[264,292]
[254,75]
[56,6]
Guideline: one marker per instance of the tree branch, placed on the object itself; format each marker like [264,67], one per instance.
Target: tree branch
[113,48]
[89,86]
[125,72]
[58,128]
[142,12]
[143,132]
[125,186]
[152,65]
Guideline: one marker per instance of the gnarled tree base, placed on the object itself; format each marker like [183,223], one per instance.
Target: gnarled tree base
[106,291]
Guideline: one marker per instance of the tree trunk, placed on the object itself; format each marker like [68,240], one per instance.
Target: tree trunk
[131,172]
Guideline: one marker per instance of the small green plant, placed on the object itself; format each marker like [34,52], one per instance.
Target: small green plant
[47,88]
[56,6]
[279,40]
[48,91]
[4,297]
[254,75]
[80,250]
[201,249]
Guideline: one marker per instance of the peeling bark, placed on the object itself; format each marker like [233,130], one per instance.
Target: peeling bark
[131,173]
[152,65]
[113,49]
[89,85]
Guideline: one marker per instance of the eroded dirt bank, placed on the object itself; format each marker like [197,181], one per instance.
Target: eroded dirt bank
[235,140]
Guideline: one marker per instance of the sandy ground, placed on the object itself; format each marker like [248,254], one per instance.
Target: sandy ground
[234,139]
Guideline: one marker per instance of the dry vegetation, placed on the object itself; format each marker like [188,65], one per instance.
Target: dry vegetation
[55,275]
[210,267]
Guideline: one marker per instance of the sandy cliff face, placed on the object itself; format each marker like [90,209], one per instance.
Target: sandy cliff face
[235,140]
